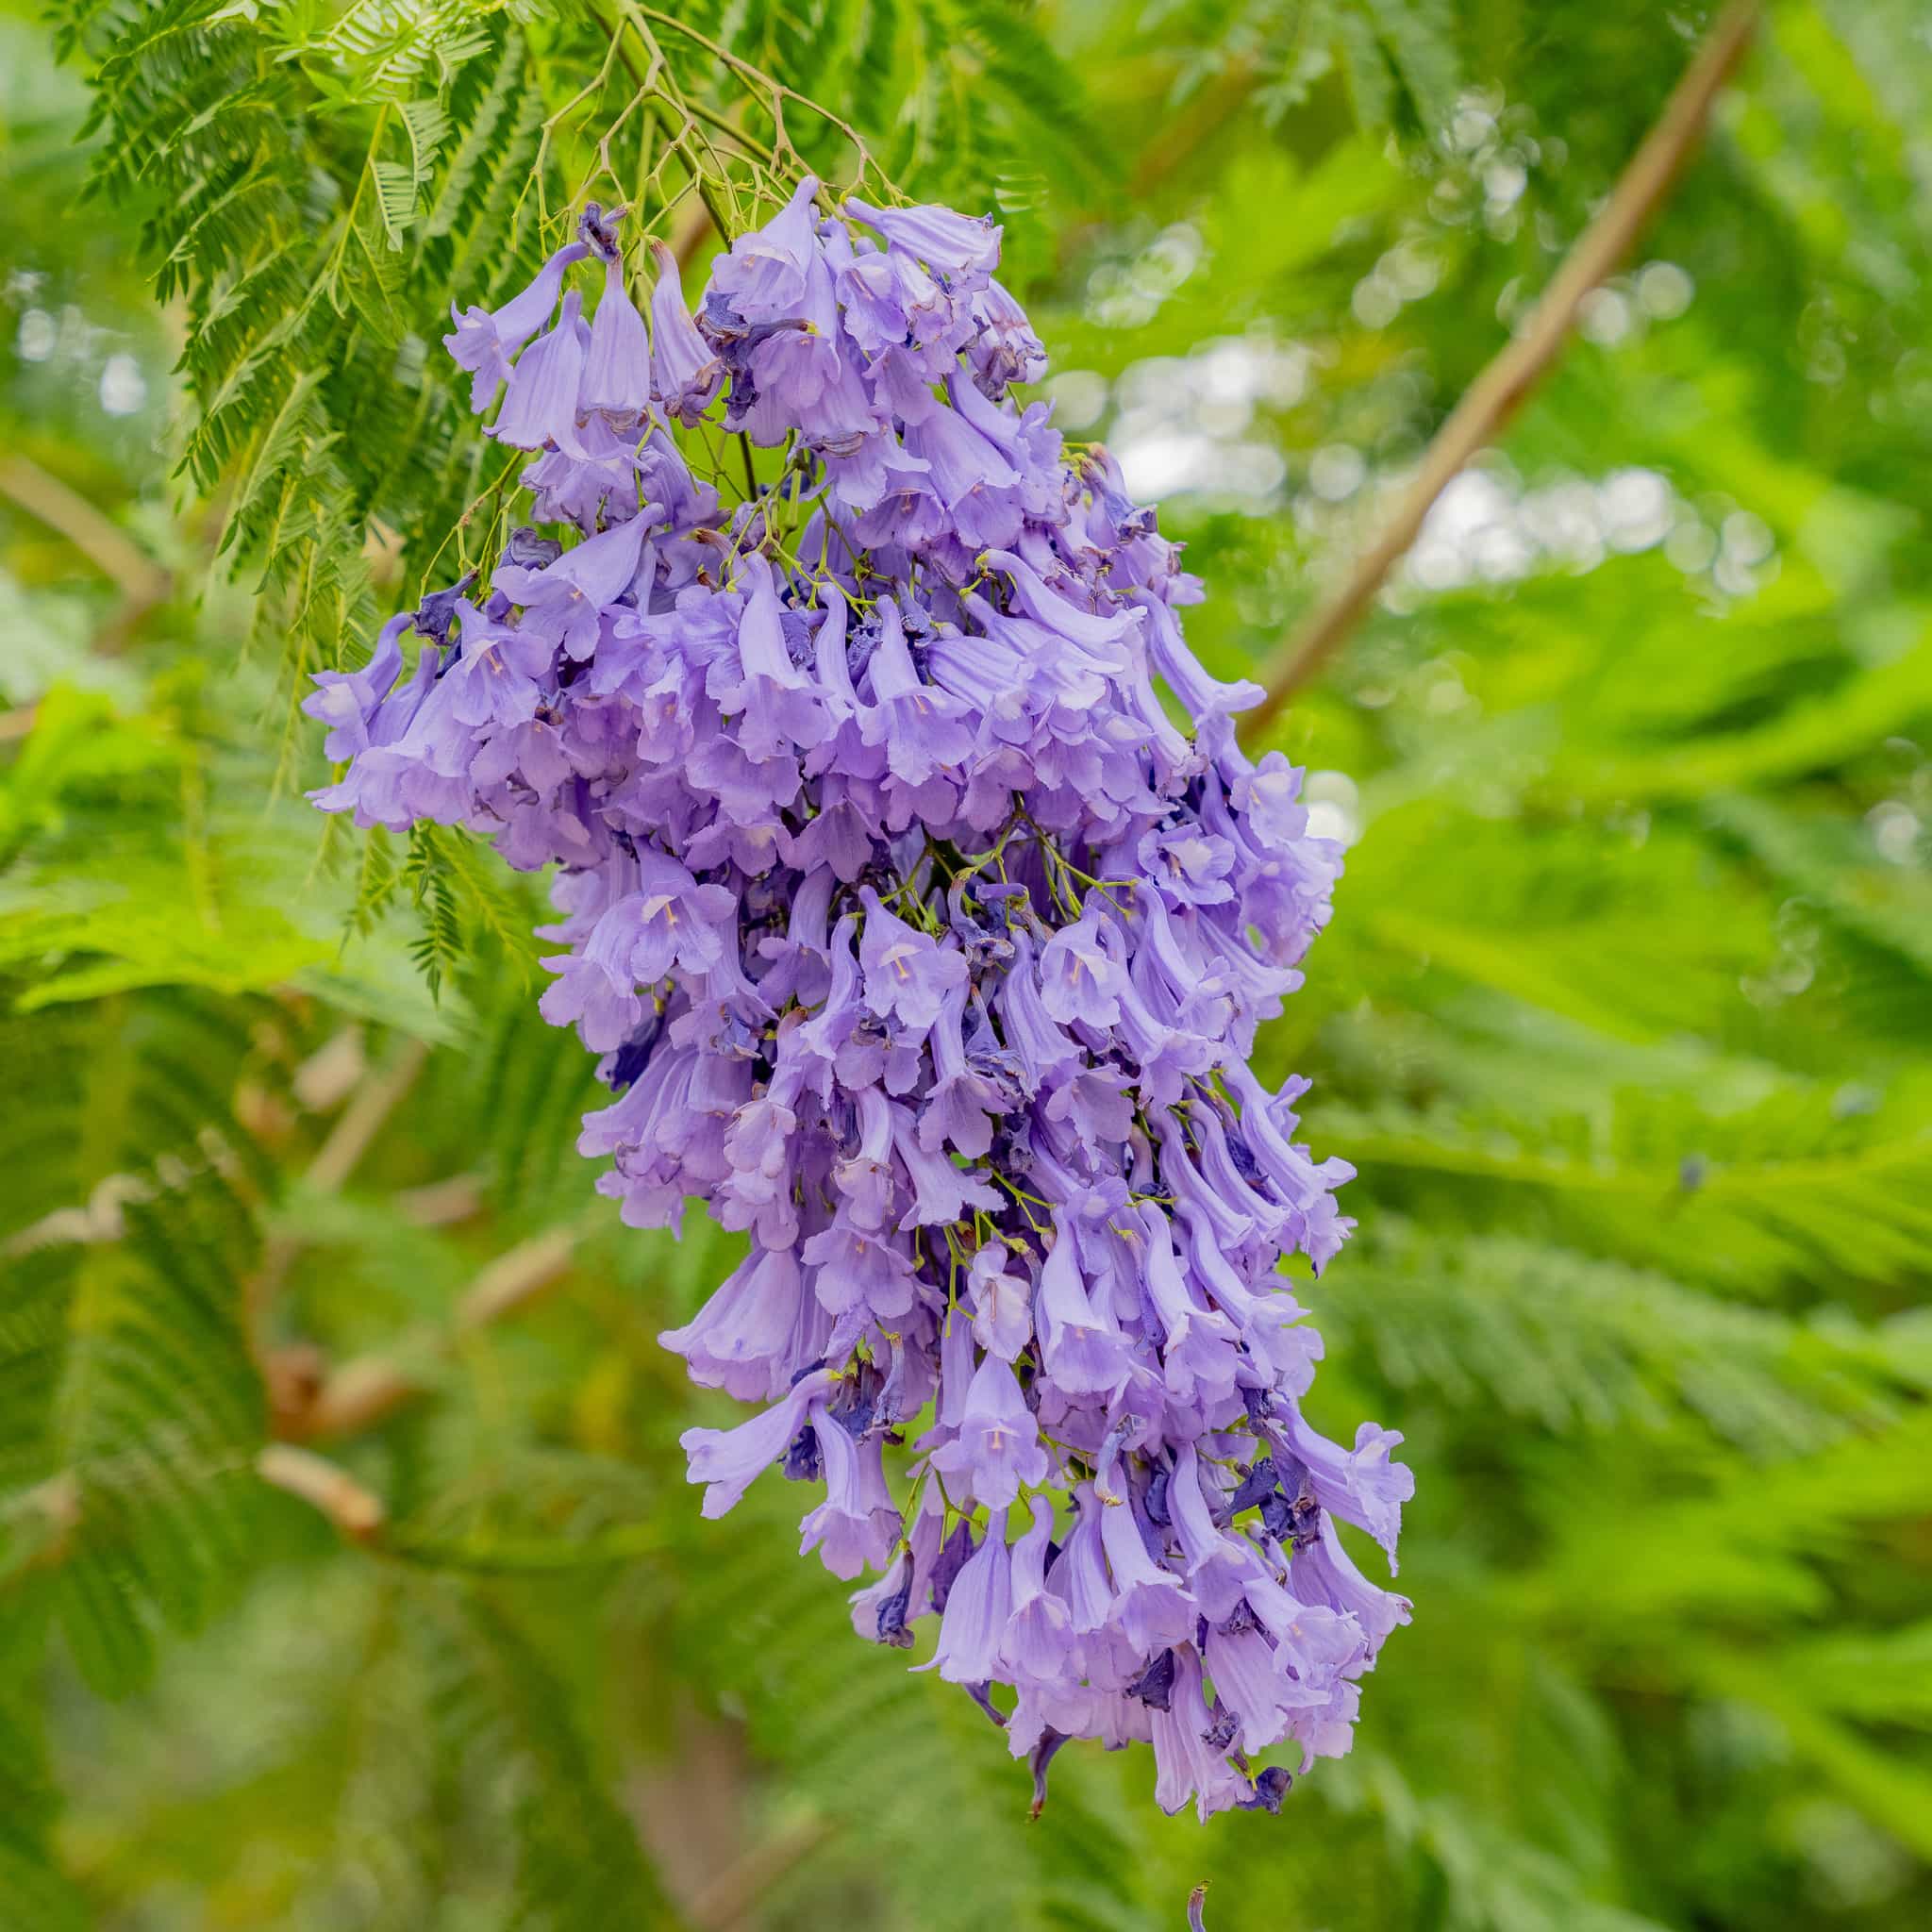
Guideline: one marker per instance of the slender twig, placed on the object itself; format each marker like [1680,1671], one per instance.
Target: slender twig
[358,1513]
[775,91]
[707,193]
[356,1396]
[364,1118]
[649,88]
[688,235]
[141,581]
[369,1389]
[290,1375]
[725,123]
[727,1901]
[376,1097]
[1208,114]
[441,1203]
[647,142]
[1495,394]
[48,1515]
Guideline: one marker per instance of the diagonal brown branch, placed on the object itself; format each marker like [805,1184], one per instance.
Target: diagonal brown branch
[1516,369]
[358,1513]
[142,582]
[367,1390]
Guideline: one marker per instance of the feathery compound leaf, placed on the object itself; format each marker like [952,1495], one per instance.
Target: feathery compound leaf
[1834,864]
[484,111]
[134,1405]
[1570,1342]
[1750,1199]
[390,44]
[579,1864]
[395,197]
[427,125]
[1418,38]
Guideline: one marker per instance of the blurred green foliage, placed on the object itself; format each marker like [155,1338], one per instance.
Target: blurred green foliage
[1623,1016]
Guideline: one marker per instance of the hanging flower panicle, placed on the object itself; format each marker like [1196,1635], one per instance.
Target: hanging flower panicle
[923,947]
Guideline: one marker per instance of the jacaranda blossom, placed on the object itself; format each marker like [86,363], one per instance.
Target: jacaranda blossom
[922,906]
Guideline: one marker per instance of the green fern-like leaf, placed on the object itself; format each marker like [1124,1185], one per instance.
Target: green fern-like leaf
[1570,1341]
[578,1863]
[1750,1199]
[133,1407]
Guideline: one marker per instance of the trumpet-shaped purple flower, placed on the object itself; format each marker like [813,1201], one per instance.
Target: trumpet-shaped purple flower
[997,1449]
[485,340]
[1081,976]
[564,603]
[918,940]
[1005,350]
[856,1526]
[1081,1345]
[948,243]
[348,701]
[728,1462]
[738,1339]
[541,399]
[763,276]
[978,1607]
[924,729]
[907,974]
[686,371]
[1151,1604]
[1002,1302]
[617,361]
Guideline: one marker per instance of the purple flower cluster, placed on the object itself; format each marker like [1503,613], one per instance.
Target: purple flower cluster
[923,948]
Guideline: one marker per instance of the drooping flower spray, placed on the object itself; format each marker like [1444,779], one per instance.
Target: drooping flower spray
[922,946]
